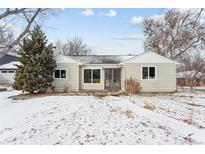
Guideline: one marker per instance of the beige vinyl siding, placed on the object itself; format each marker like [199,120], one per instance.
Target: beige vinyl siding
[72,77]
[165,76]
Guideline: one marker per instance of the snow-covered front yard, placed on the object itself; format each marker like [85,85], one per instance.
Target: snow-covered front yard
[162,119]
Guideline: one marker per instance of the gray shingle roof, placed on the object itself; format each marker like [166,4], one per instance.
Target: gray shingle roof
[7,59]
[100,59]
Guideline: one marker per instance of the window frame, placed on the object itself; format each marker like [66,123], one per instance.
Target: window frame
[60,78]
[148,73]
[4,71]
[61,73]
[83,75]
[11,71]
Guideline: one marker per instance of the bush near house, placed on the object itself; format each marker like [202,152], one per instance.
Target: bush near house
[132,86]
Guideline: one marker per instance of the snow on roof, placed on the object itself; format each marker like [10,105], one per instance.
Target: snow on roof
[7,59]
[149,57]
[64,59]
[11,65]
[100,59]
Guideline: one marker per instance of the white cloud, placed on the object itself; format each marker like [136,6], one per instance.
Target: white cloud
[157,17]
[111,13]
[137,20]
[128,37]
[88,12]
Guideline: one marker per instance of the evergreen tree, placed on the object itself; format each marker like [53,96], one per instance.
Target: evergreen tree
[37,63]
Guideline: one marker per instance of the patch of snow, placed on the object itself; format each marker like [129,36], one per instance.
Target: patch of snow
[12,111]
[11,65]
[91,120]
[180,127]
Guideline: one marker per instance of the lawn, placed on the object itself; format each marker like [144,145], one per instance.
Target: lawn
[142,119]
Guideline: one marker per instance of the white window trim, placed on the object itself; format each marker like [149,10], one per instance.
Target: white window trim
[11,71]
[92,75]
[148,73]
[60,74]
[4,71]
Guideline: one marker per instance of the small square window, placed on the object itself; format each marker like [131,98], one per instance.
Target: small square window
[148,73]
[60,74]
[92,76]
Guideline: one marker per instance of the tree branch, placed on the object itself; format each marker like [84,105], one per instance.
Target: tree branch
[9,12]
[26,30]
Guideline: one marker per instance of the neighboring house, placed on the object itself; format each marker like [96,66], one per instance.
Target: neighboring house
[184,79]
[4,59]
[7,72]
[8,68]
[156,73]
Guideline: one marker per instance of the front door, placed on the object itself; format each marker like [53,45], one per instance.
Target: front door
[113,78]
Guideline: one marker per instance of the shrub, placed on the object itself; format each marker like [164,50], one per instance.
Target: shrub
[100,95]
[50,89]
[132,86]
[149,106]
[128,113]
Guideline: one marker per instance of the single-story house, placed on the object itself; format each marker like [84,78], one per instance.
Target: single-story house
[105,72]
[99,72]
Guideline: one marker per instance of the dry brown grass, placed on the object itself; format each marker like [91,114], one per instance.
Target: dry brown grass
[149,106]
[92,91]
[132,86]
[100,95]
[127,113]
[115,94]
[188,120]
[106,93]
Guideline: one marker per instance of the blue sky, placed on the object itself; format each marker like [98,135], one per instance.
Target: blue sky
[106,31]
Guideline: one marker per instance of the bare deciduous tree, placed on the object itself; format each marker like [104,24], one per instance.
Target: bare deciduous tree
[193,65]
[74,46]
[9,36]
[175,33]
